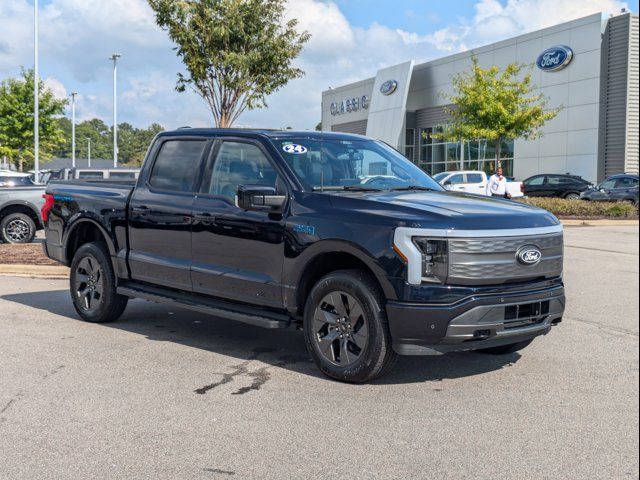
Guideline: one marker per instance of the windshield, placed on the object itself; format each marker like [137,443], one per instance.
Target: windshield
[330,164]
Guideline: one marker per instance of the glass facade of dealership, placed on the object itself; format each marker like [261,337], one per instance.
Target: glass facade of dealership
[594,135]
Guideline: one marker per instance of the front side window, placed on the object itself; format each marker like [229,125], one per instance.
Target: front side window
[535,181]
[176,165]
[239,163]
[455,179]
[350,164]
[608,184]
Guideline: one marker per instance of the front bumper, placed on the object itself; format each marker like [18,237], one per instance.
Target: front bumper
[479,321]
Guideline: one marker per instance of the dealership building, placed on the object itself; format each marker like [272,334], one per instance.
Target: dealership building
[587,67]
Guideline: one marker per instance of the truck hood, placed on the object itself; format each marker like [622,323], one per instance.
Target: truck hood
[447,209]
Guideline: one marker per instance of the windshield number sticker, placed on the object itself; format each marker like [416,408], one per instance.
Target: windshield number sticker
[295,149]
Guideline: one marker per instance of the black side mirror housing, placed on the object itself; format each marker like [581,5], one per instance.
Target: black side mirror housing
[448,182]
[260,198]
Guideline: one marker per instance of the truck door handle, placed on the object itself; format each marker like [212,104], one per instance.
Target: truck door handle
[143,210]
[204,217]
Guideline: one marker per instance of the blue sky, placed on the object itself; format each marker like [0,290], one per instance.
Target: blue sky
[351,40]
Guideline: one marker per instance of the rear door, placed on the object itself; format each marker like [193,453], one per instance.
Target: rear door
[160,213]
[237,254]
[623,188]
[476,183]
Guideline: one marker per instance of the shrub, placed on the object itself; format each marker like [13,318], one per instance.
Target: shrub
[563,208]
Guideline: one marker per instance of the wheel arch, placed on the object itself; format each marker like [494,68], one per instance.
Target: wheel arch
[22,207]
[331,257]
[84,231]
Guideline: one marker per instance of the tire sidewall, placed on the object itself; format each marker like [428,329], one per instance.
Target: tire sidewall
[97,252]
[374,316]
[17,216]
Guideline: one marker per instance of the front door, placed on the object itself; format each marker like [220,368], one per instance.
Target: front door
[237,254]
[160,214]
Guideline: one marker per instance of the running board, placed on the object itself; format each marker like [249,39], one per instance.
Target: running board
[200,303]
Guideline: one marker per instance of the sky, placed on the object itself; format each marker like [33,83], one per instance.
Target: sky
[351,40]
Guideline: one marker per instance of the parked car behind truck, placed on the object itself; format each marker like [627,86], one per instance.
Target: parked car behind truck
[20,213]
[473,181]
[617,188]
[276,229]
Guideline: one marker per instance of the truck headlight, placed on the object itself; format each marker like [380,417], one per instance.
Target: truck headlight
[435,258]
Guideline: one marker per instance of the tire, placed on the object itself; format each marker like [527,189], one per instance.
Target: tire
[92,285]
[346,329]
[572,196]
[505,349]
[17,228]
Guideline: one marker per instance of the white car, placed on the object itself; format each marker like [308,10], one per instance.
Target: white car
[9,178]
[473,181]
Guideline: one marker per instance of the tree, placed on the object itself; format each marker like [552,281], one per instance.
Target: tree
[16,120]
[236,52]
[495,106]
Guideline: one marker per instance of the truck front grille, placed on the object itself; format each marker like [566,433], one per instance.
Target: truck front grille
[493,260]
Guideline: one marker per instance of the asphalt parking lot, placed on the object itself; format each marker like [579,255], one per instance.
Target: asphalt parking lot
[165,393]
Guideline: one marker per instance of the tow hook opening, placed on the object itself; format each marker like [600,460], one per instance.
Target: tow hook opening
[556,321]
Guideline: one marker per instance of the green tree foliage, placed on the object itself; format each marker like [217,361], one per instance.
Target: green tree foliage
[132,141]
[16,120]
[236,52]
[495,105]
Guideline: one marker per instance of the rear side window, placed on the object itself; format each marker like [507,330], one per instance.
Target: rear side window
[560,181]
[122,175]
[88,175]
[176,165]
[626,182]
[474,178]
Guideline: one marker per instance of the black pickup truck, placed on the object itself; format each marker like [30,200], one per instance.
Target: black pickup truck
[336,234]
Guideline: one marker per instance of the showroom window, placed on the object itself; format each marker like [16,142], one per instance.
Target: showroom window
[437,155]
[409,143]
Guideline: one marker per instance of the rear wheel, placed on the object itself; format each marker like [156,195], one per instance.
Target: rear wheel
[505,349]
[17,228]
[345,326]
[93,285]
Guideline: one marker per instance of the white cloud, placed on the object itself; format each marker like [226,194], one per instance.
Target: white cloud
[495,20]
[56,87]
[77,37]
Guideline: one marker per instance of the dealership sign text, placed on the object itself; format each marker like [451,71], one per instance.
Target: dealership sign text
[350,105]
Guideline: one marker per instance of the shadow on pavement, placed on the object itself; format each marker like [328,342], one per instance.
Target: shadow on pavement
[279,348]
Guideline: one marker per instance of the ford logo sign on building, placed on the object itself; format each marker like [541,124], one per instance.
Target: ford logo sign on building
[554,58]
[388,87]
[528,255]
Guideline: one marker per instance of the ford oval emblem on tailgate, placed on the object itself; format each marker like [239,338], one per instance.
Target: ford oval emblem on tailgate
[528,255]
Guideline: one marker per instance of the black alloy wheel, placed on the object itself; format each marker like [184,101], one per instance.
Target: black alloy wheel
[340,328]
[88,286]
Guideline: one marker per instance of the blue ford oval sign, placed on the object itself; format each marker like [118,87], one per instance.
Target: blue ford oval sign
[554,58]
[388,87]
[528,255]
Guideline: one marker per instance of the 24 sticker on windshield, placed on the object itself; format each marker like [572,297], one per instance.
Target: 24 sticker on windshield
[295,149]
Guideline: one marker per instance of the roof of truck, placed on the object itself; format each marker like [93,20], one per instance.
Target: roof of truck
[263,132]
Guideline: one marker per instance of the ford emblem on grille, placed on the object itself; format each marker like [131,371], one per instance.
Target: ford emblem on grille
[528,255]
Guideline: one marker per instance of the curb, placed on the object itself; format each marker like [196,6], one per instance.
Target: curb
[599,223]
[39,271]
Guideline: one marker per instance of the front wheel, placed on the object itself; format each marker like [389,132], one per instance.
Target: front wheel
[93,285]
[505,349]
[346,329]
[572,196]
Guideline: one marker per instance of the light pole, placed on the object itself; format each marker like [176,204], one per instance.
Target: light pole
[115,58]
[88,152]
[36,107]
[73,129]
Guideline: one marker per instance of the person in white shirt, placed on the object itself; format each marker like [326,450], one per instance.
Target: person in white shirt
[497,185]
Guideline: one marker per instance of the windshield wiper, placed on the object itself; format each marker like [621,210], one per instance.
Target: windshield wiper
[350,188]
[415,187]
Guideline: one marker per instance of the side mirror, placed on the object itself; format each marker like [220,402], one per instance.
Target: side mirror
[259,197]
[448,182]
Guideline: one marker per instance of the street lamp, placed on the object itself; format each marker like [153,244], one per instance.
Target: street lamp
[73,129]
[88,152]
[115,58]
[36,107]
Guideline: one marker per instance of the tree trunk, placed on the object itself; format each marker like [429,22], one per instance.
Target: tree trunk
[224,120]
[20,164]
